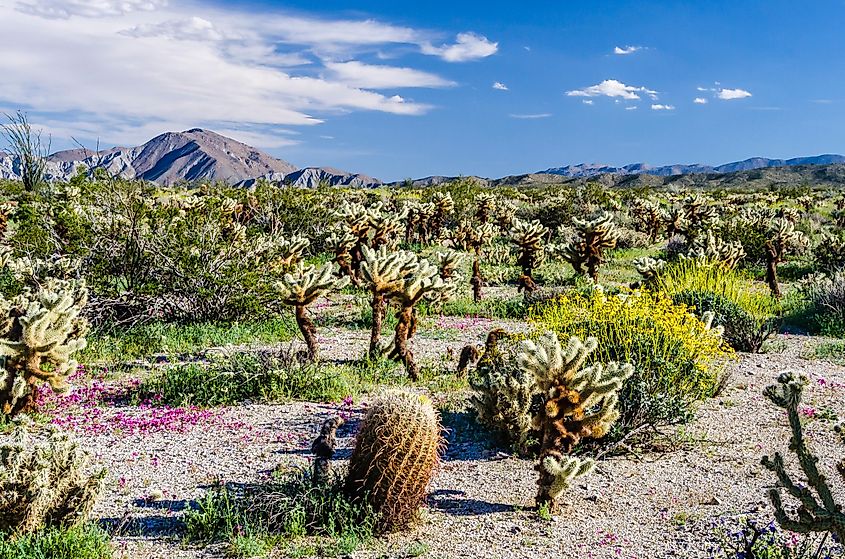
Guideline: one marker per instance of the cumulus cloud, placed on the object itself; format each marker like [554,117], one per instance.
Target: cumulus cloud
[700,101]
[729,94]
[500,86]
[612,88]
[533,116]
[660,107]
[468,46]
[149,66]
[369,76]
[630,49]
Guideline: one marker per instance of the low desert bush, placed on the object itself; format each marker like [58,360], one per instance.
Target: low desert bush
[743,331]
[260,517]
[240,377]
[81,542]
[677,358]
[823,300]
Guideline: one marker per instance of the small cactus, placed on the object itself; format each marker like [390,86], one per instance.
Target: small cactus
[301,288]
[383,273]
[578,403]
[711,249]
[649,268]
[396,453]
[818,510]
[783,237]
[528,236]
[649,218]
[485,206]
[594,237]
[44,482]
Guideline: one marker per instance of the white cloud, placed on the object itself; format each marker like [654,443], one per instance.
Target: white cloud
[359,74]
[531,116]
[587,101]
[92,68]
[699,88]
[729,94]
[631,108]
[700,101]
[612,88]
[500,86]
[468,46]
[630,49]
[64,9]
[659,107]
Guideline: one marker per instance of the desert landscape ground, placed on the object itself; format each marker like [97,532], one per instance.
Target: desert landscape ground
[451,370]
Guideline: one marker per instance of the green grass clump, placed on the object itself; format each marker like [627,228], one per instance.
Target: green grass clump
[830,351]
[253,520]
[118,346]
[241,377]
[82,542]
[677,361]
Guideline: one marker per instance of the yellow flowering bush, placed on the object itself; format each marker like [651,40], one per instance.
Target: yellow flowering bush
[678,359]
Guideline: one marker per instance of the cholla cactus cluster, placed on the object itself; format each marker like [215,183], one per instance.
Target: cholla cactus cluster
[528,237]
[44,482]
[39,332]
[474,237]
[485,207]
[578,402]
[709,248]
[302,287]
[649,218]
[405,279]
[587,249]
[649,268]
[361,226]
[818,510]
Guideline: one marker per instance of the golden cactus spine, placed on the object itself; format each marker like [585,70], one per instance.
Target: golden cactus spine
[396,454]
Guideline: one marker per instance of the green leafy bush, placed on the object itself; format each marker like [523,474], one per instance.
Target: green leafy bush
[823,300]
[677,358]
[743,331]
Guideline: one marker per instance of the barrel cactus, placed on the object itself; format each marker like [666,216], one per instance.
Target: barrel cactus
[396,454]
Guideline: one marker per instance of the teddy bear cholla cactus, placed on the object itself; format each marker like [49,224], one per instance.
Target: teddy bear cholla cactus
[817,512]
[649,268]
[301,288]
[783,237]
[528,236]
[41,329]
[44,482]
[578,403]
[649,218]
[587,249]
[383,273]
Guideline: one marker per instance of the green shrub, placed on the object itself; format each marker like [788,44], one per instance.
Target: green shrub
[263,516]
[743,331]
[823,299]
[677,359]
[243,377]
[81,542]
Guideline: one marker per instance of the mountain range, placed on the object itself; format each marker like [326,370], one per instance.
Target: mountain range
[190,156]
[203,155]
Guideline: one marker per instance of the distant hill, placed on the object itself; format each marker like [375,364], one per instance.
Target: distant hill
[189,156]
[594,169]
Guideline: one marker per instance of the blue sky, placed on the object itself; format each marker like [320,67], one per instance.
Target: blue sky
[398,90]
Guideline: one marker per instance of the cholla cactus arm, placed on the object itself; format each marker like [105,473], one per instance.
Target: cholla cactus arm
[649,268]
[303,287]
[819,512]
[448,262]
[291,250]
[565,469]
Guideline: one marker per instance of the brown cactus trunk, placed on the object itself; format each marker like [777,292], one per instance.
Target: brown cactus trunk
[309,332]
[400,343]
[378,306]
[477,281]
[772,260]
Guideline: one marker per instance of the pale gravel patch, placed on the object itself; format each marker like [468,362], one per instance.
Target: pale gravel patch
[655,506]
